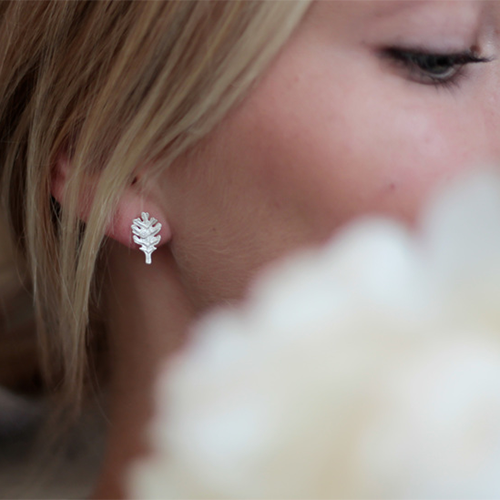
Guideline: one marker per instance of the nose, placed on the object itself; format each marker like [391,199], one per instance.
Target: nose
[490,102]
[482,126]
[491,108]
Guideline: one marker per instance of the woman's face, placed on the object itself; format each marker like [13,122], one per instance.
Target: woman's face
[368,107]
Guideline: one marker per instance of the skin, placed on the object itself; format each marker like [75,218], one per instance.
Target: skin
[331,132]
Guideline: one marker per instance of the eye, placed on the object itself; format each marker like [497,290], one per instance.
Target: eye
[433,68]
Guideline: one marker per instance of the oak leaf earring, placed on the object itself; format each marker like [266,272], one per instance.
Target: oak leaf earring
[145,233]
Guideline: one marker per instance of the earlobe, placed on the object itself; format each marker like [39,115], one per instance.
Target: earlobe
[146,234]
[59,178]
[130,208]
[132,204]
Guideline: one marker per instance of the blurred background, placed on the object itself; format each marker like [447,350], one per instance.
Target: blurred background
[25,471]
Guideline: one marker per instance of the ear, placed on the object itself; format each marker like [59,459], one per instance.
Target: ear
[131,205]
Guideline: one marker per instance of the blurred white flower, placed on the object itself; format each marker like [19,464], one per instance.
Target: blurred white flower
[366,368]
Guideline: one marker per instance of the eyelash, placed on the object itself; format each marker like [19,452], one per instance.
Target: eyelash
[419,63]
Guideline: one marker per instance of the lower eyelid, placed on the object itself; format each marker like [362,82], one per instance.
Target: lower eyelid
[450,73]
[417,76]
[411,71]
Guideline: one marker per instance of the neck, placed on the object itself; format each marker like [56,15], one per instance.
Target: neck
[148,313]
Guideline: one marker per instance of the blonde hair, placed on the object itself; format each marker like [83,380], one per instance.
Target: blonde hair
[116,86]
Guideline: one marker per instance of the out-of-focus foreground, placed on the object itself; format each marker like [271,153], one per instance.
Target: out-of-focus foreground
[369,368]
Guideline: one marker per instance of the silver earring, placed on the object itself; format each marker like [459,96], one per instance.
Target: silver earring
[145,231]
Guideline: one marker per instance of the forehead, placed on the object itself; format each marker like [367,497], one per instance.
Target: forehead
[387,9]
[449,22]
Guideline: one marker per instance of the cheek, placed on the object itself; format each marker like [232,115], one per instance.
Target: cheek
[407,145]
[339,150]
[309,149]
